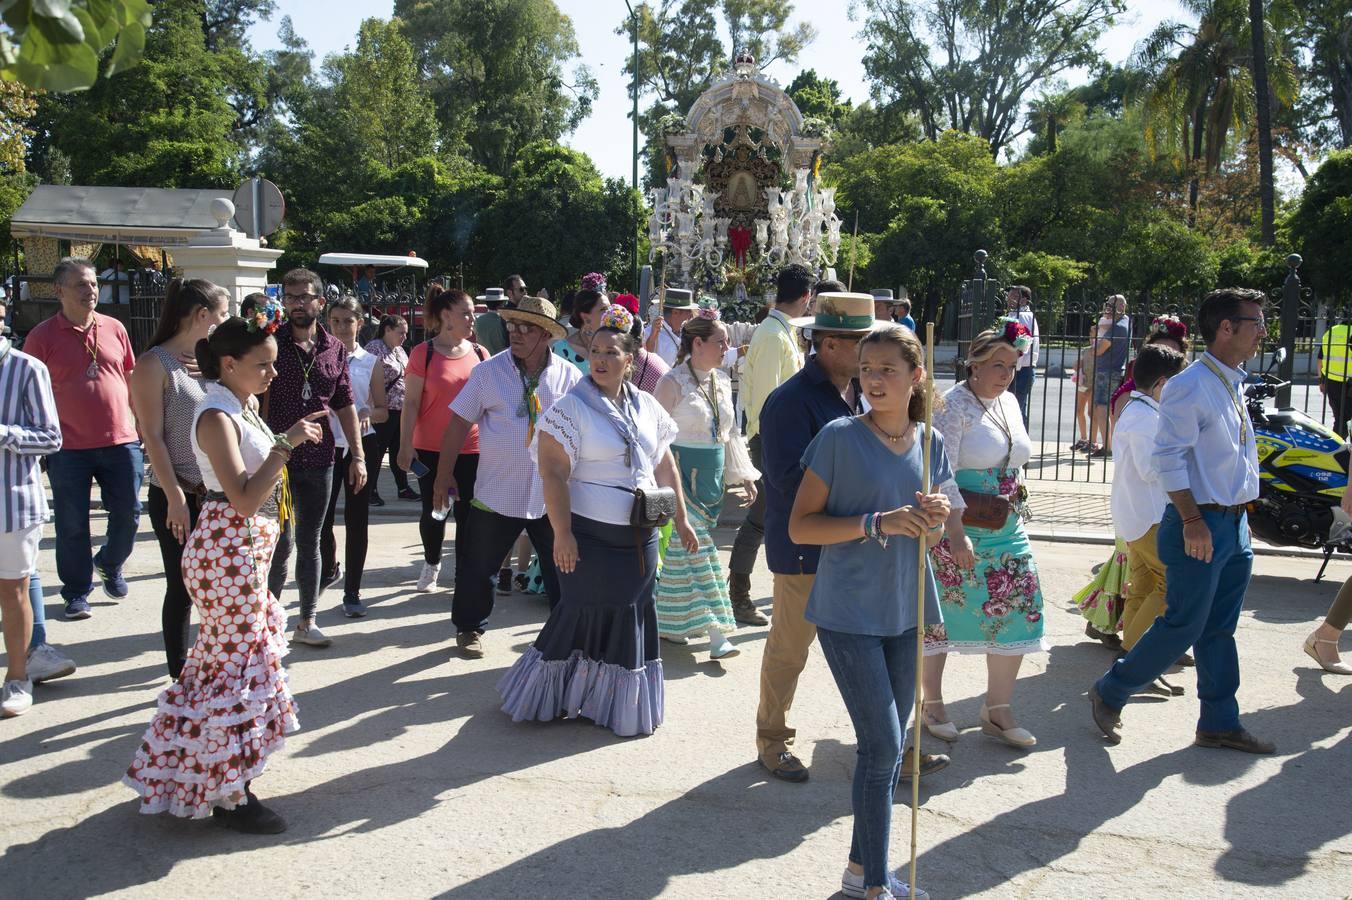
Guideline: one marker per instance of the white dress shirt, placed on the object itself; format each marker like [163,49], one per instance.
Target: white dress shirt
[1205,442]
[1138,501]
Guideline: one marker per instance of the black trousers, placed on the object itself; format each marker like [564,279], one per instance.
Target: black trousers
[176,613]
[1339,398]
[752,533]
[477,558]
[356,524]
[432,532]
[386,440]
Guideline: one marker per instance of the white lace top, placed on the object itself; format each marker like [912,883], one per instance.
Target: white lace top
[596,451]
[972,436]
[255,443]
[695,420]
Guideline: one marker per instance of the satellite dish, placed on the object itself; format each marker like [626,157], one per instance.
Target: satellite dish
[259,207]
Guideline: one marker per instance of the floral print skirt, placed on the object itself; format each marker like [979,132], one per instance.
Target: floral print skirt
[997,606]
[1100,601]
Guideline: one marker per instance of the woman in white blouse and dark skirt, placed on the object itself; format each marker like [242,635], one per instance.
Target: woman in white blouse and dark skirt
[692,596]
[597,655]
[988,583]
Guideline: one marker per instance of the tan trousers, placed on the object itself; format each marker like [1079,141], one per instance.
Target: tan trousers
[786,650]
[1145,587]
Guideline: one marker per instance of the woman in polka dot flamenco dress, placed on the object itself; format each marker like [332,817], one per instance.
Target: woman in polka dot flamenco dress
[229,709]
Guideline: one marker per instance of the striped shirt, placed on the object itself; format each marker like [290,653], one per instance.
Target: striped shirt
[29,428]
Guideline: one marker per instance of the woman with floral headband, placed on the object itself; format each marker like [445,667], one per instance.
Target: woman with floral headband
[589,304]
[692,595]
[1101,600]
[989,588]
[230,706]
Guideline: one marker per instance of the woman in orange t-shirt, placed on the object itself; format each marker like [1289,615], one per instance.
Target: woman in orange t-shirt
[437,370]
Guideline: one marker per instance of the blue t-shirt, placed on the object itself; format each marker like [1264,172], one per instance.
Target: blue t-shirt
[907,321]
[1114,359]
[862,587]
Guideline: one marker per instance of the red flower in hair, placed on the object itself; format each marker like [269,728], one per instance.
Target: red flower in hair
[628,301]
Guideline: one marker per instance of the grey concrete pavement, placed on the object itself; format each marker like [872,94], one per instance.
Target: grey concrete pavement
[407,781]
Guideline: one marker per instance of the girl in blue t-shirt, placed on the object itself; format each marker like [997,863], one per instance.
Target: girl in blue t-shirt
[861,499]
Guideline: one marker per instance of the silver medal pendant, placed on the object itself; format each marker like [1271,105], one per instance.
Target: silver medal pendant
[521,410]
[306,393]
[92,372]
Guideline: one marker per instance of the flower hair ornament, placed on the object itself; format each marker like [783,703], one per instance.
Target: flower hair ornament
[708,309]
[1014,333]
[266,318]
[594,281]
[617,317]
[627,301]
[1172,326]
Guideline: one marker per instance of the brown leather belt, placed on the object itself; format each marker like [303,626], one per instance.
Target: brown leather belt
[1228,510]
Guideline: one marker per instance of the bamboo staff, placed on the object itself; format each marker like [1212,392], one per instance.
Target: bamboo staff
[922,583]
[854,251]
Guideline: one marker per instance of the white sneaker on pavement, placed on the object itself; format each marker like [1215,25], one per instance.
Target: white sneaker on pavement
[45,663]
[312,636]
[428,579]
[17,698]
[852,885]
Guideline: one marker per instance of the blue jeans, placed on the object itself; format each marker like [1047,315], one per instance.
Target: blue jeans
[118,471]
[1201,608]
[309,502]
[1023,389]
[39,611]
[876,679]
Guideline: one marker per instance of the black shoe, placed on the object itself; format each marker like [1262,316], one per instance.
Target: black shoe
[1234,740]
[250,818]
[353,608]
[504,581]
[409,494]
[375,499]
[330,579]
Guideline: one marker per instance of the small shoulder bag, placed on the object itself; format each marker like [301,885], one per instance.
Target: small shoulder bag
[653,507]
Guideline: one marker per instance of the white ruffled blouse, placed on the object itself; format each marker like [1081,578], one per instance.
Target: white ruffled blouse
[972,437]
[695,420]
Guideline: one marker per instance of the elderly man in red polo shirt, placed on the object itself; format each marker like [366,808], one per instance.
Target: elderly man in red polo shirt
[89,357]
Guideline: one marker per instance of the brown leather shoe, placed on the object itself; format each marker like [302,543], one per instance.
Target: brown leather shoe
[1234,740]
[929,763]
[787,768]
[470,644]
[1107,718]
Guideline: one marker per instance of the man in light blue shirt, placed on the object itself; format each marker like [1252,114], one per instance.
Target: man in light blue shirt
[1207,461]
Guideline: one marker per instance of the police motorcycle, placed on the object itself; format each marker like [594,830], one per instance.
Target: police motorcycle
[1303,469]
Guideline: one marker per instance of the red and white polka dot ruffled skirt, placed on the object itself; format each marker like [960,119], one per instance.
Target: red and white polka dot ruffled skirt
[231,706]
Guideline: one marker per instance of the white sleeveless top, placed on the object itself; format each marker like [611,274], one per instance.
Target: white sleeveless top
[255,443]
[360,365]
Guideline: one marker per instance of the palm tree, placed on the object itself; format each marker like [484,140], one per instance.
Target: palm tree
[1051,113]
[1201,88]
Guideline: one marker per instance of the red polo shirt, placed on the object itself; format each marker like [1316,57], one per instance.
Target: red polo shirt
[94,412]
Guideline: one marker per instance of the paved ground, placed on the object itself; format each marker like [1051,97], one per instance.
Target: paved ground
[406,780]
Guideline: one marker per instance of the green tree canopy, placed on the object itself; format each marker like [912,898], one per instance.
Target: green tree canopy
[54,45]
[1321,227]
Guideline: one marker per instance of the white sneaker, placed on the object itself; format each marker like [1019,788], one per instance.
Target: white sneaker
[312,636]
[852,885]
[17,697]
[428,579]
[46,663]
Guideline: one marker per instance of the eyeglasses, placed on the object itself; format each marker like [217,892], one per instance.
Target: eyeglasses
[522,327]
[1261,320]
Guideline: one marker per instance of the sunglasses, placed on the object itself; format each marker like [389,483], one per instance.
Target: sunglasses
[522,327]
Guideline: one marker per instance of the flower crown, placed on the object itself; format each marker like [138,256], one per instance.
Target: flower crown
[266,318]
[1015,333]
[617,317]
[1173,326]
[594,281]
[708,309]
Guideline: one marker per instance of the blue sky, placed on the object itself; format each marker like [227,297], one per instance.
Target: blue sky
[605,135]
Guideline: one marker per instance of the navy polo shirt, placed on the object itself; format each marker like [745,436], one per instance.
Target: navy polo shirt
[791,417]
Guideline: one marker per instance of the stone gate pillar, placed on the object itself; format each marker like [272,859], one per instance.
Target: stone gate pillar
[227,257]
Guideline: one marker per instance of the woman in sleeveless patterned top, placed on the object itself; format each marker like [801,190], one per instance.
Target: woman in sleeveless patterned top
[165,391]
[230,707]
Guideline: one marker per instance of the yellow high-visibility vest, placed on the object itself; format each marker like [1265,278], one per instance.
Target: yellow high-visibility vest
[1333,363]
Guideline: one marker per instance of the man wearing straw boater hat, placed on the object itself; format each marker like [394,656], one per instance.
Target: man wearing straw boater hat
[663,336]
[489,328]
[504,397]
[824,390]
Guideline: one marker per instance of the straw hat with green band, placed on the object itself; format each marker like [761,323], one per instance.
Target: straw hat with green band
[840,314]
[679,298]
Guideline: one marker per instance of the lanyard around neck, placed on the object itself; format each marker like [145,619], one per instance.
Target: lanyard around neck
[710,397]
[1234,401]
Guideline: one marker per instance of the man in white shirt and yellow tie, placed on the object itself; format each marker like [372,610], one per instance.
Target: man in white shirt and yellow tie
[1207,461]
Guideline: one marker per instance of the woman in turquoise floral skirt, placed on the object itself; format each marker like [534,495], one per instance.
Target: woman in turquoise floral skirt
[988,582]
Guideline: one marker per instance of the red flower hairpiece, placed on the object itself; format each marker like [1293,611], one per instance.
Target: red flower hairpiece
[628,301]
